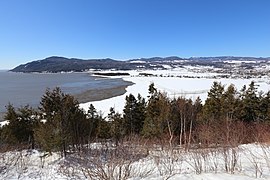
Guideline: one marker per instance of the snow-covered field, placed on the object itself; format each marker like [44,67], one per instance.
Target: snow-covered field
[168,81]
[249,161]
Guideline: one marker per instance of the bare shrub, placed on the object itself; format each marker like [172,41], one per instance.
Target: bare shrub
[266,154]
[204,160]
[15,163]
[204,135]
[7,163]
[230,158]
[261,132]
[104,163]
[214,160]
[255,161]
[239,134]
[168,162]
[208,160]
[223,133]
[195,160]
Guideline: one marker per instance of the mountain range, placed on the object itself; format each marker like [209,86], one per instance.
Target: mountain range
[62,64]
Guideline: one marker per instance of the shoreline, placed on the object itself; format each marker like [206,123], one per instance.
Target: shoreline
[97,94]
[102,94]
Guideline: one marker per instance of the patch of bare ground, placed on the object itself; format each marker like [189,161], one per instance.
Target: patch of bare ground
[101,94]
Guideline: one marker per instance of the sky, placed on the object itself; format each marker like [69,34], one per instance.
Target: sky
[126,29]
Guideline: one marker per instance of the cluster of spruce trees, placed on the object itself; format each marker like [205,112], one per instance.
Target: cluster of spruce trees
[227,116]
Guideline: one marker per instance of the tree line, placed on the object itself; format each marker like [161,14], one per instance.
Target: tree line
[228,117]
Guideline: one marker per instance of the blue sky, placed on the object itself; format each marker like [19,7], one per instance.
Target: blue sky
[124,29]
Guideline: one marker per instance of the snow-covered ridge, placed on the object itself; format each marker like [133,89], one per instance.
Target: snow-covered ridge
[139,62]
[239,62]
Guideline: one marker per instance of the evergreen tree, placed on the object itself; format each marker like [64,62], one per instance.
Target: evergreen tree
[117,129]
[197,107]
[20,129]
[140,114]
[264,106]
[174,116]
[9,131]
[129,114]
[11,113]
[103,128]
[59,110]
[212,109]
[229,103]
[152,90]
[157,113]
[79,129]
[134,114]
[93,119]
[248,108]
[48,137]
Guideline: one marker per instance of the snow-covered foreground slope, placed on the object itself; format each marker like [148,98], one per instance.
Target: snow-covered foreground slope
[168,82]
[29,165]
[244,162]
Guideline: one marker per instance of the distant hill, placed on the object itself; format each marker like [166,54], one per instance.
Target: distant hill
[62,64]
[58,64]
